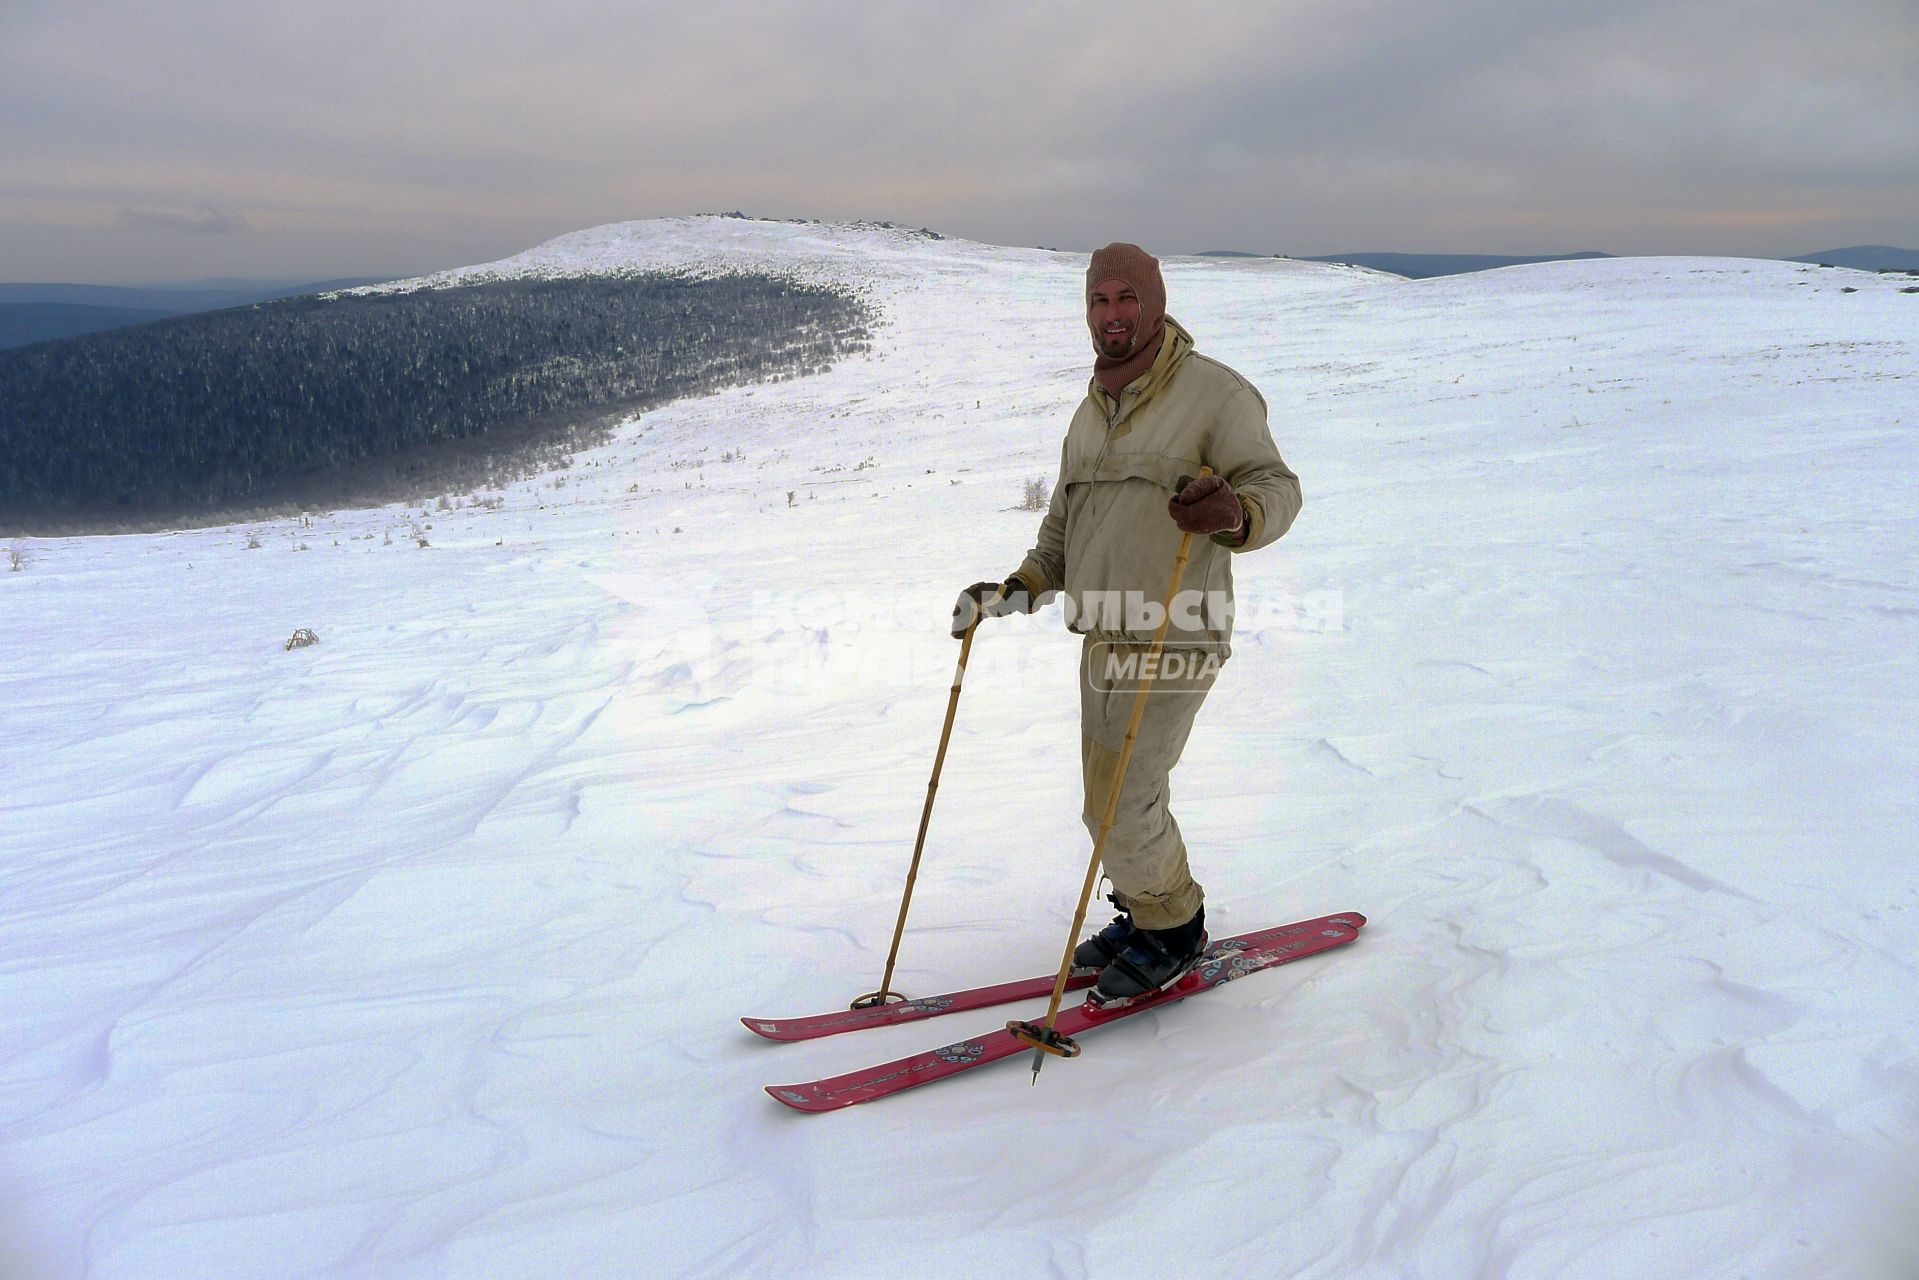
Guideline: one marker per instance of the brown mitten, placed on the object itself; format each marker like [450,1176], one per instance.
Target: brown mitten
[1205,505]
[990,600]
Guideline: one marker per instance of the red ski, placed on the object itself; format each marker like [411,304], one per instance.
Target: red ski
[1225,961]
[814,1026]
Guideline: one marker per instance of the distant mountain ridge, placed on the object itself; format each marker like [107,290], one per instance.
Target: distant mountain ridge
[1867,257]
[1422,266]
[24,323]
[207,295]
[32,313]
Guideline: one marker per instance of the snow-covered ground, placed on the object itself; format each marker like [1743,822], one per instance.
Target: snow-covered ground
[1588,674]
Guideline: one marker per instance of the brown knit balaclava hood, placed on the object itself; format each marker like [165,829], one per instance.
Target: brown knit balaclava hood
[1140,269]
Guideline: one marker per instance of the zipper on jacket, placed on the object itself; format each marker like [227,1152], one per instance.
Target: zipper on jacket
[1121,410]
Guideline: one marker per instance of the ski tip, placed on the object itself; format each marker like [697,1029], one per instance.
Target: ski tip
[798,1099]
[1352,918]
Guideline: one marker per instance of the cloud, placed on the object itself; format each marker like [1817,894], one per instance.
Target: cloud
[204,221]
[437,132]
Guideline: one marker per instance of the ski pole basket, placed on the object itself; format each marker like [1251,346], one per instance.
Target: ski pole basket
[874,999]
[1044,1038]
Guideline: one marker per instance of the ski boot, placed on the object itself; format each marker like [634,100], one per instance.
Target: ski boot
[1153,960]
[1105,946]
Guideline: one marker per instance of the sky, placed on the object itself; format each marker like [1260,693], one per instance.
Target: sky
[150,143]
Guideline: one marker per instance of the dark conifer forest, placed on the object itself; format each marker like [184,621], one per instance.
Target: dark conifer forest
[222,410]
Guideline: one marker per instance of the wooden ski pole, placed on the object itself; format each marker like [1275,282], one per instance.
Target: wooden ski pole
[886,994]
[1043,1037]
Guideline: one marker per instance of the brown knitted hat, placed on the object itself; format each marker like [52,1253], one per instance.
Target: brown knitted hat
[1128,262]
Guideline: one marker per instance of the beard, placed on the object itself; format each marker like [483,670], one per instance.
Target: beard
[1116,346]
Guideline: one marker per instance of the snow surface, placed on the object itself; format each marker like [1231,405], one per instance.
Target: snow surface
[1588,673]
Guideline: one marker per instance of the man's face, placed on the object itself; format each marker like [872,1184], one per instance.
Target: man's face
[1113,313]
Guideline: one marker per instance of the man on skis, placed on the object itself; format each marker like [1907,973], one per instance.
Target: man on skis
[1156,412]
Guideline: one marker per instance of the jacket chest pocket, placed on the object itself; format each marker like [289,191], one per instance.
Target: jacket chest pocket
[1159,468]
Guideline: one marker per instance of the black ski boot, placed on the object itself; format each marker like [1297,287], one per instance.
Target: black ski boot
[1105,946]
[1153,960]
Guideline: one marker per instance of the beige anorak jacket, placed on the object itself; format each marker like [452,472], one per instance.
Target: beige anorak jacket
[1107,541]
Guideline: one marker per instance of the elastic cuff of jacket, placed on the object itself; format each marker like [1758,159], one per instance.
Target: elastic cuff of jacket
[1036,583]
[1254,519]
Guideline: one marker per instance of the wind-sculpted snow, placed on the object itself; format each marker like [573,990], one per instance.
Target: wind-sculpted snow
[1587,674]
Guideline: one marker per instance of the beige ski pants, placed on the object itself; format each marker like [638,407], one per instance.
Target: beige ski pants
[1144,857]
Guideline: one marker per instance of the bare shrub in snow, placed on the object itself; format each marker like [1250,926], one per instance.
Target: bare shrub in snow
[16,559]
[301,638]
[1036,495]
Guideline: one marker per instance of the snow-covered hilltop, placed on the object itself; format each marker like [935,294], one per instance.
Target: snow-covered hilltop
[841,253]
[1587,674]
[861,255]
